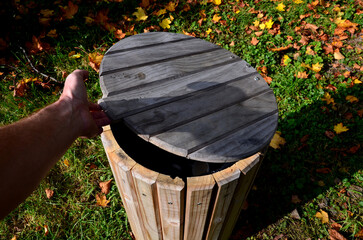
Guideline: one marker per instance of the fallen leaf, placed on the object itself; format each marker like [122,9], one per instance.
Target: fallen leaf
[359,234]
[216,18]
[52,33]
[171,6]
[309,51]
[95,60]
[281,7]
[277,140]
[354,149]
[46,230]
[161,12]
[105,186]
[321,183]
[286,60]
[335,235]
[360,112]
[49,193]
[351,99]
[302,75]
[339,128]
[279,49]
[317,67]
[338,56]
[208,31]
[336,226]
[165,23]
[217,2]
[69,11]
[101,200]
[329,134]
[140,14]
[254,41]
[66,162]
[323,170]
[295,199]
[13,238]
[119,34]
[295,214]
[298,1]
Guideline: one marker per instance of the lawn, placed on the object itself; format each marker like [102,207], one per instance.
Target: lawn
[310,185]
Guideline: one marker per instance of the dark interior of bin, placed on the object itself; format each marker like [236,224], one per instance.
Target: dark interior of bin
[159,160]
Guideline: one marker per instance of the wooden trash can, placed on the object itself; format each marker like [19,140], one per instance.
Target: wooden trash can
[205,107]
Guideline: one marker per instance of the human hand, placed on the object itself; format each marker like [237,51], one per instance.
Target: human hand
[88,118]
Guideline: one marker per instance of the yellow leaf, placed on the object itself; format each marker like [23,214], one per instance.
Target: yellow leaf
[277,140]
[298,1]
[101,200]
[286,60]
[66,162]
[208,31]
[281,7]
[323,216]
[357,81]
[328,99]
[88,20]
[165,23]
[216,18]
[171,17]
[262,26]
[339,128]
[47,12]
[338,56]
[317,67]
[256,23]
[351,99]
[140,14]
[171,6]
[95,60]
[302,75]
[269,24]
[161,12]
[217,2]
[52,33]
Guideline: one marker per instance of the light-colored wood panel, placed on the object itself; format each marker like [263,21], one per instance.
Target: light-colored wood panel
[108,141]
[203,131]
[248,168]
[165,71]
[121,166]
[198,200]
[227,181]
[171,195]
[145,185]
[239,145]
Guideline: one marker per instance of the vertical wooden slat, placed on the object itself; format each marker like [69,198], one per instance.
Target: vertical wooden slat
[108,140]
[121,166]
[198,198]
[248,168]
[227,181]
[145,185]
[171,204]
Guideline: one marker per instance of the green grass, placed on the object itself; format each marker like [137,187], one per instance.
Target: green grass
[304,118]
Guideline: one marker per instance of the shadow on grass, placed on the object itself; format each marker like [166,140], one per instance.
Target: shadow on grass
[307,165]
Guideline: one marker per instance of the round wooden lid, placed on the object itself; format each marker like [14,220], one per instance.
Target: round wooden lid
[188,96]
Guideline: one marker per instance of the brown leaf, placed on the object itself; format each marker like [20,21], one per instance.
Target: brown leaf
[258,33]
[105,186]
[354,149]
[69,11]
[304,40]
[323,170]
[280,48]
[338,56]
[254,41]
[329,134]
[101,200]
[335,235]
[336,226]
[302,75]
[295,199]
[312,27]
[49,193]
[46,230]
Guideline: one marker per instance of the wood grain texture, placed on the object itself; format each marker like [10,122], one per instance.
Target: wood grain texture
[188,96]
[198,200]
[145,185]
[121,166]
[249,168]
[171,196]
[227,181]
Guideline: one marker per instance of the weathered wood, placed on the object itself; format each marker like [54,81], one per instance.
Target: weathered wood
[248,168]
[145,186]
[198,200]
[227,181]
[171,195]
[188,96]
[109,142]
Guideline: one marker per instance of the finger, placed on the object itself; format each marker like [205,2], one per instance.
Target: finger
[102,122]
[98,114]
[94,107]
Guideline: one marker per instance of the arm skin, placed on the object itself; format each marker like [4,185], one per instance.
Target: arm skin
[30,148]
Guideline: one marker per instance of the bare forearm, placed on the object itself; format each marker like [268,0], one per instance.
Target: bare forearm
[29,148]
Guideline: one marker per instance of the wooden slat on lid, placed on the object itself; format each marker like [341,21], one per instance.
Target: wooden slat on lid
[188,96]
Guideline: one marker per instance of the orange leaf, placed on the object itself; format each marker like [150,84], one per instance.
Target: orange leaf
[49,193]
[302,75]
[101,200]
[105,186]
[69,11]
[254,41]
[95,60]
[335,235]
[323,170]
[46,230]
[119,34]
[171,6]
[280,48]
